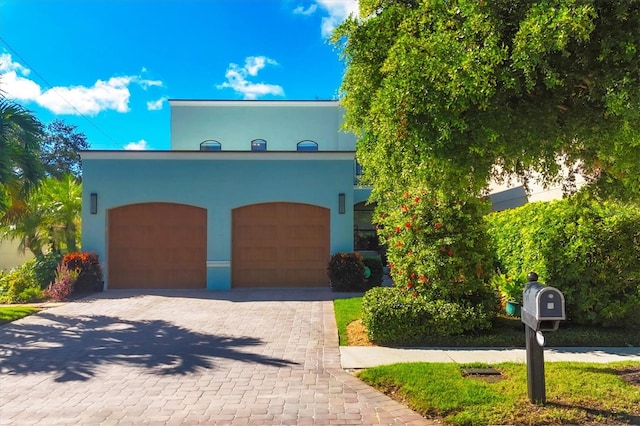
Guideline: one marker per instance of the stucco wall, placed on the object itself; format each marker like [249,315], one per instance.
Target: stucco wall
[10,256]
[236,123]
[219,186]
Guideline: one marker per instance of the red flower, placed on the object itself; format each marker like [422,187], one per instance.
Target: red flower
[399,244]
[417,199]
[437,225]
[450,252]
[409,284]
[406,194]
[415,294]
[398,229]
[405,208]
[422,278]
[412,276]
[408,225]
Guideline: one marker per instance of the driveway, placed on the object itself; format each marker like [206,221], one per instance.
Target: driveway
[265,357]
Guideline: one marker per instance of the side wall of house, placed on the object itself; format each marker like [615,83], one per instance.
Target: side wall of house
[218,186]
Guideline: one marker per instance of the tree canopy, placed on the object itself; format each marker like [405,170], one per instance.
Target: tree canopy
[451,93]
[60,149]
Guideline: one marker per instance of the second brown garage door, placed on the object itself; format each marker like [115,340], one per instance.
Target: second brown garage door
[280,245]
[157,245]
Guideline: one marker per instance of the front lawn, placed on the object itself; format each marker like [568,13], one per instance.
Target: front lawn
[577,393]
[507,332]
[12,313]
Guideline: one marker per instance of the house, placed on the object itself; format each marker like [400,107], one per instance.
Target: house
[251,194]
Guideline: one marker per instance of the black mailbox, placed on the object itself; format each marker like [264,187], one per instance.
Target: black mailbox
[542,307]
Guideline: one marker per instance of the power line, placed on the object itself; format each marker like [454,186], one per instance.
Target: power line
[49,86]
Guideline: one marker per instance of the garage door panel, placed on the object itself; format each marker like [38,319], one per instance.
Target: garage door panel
[157,245]
[280,244]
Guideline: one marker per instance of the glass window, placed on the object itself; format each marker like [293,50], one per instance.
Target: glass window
[307,146]
[211,145]
[258,145]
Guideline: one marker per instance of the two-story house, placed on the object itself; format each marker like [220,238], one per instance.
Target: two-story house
[251,194]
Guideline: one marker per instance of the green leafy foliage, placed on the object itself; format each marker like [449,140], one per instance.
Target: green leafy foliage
[588,250]
[346,272]
[45,266]
[509,287]
[454,92]
[20,285]
[395,316]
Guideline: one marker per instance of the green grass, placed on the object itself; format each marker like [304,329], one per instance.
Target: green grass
[350,310]
[12,313]
[506,332]
[577,393]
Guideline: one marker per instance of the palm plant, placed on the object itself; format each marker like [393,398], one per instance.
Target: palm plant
[20,166]
[51,217]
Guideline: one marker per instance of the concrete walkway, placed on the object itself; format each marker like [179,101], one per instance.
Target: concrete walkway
[261,357]
[356,357]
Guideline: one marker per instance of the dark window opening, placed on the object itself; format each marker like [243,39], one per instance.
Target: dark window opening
[258,145]
[211,145]
[307,146]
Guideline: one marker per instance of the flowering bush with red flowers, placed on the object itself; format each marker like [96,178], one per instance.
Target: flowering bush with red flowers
[438,249]
[90,278]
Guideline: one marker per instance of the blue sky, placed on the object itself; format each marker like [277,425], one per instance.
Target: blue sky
[109,66]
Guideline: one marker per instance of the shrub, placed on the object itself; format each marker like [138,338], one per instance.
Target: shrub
[346,272]
[438,247]
[20,285]
[588,250]
[375,267]
[90,278]
[63,284]
[395,316]
[45,266]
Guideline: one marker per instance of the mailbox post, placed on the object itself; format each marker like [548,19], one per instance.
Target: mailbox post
[542,310]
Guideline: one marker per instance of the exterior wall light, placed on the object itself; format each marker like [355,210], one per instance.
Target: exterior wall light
[341,203]
[93,206]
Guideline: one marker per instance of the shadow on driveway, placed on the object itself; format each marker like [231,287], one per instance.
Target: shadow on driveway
[74,347]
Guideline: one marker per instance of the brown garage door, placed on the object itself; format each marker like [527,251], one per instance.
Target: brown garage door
[280,245]
[157,245]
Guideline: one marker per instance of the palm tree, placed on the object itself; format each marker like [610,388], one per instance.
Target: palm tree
[51,217]
[20,166]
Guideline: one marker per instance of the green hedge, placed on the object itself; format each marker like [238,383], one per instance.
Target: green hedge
[588,250]
[395,316]
[20,285]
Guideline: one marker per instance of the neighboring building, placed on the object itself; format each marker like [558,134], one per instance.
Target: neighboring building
[11,256]
[251,194]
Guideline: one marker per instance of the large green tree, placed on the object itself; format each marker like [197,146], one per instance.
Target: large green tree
[449,93]
[60,149]
[20,167]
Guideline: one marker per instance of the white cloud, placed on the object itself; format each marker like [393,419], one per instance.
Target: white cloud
[141,145]
[112,94]
[7,64]
[300,10]
[237,78]
[156,105]
[103,95]
[338,11]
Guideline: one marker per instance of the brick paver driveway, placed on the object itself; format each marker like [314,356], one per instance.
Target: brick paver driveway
[185,357]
